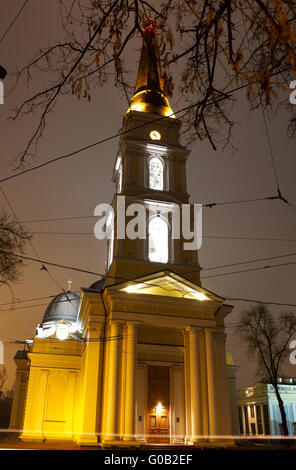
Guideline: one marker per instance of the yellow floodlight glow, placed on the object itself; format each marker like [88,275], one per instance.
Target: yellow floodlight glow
[137,107]
[200,296]
[134,288]
[62,332]
[169,113]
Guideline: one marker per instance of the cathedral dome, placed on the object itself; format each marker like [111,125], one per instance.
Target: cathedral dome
[62,307]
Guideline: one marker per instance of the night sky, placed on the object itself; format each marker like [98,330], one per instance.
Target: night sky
[74,186]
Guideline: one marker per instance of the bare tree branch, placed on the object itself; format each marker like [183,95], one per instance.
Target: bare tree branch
[214,43]
[268,339]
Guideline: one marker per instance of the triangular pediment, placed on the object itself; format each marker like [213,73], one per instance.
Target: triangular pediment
[169,284]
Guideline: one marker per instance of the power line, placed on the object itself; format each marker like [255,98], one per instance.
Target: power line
[19,301]
[207,205]
[171,331]
[223,237]
[99,142]
[250,238]
[119,134]
[237,299]
[121,279]
[57,265]
[43,268]
[231,299]
[270,148]
[247,262]
[249,270]
[13,21]
[279,193]
[213,204]
[57,219]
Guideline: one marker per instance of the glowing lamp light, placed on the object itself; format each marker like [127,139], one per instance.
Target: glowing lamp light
[168,113]
[133,288]
[158,408]
[200,296]
[62,332]
[137,107]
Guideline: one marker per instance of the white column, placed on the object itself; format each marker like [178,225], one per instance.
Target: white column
[141,391]
[18,400]
[243,419]
[70,403]
[91,391]
[113,386]
[130,389]
[249,419]
[262,419]
[211,376]
[256,419]
[225,393]
[178,414]
[195,383]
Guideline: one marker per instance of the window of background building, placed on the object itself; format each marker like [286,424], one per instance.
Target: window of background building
[253,428]
[266,419]
[240,420]
[246,419]
[259,419]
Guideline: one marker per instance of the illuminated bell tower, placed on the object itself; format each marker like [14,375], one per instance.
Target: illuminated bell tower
[139,356]
[150,171]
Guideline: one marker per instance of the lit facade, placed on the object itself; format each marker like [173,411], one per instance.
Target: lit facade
[259,412]
[139,357]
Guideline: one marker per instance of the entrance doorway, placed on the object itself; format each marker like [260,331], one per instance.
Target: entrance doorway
[158,419]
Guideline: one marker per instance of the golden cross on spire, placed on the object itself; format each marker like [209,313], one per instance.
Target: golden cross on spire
[69,282]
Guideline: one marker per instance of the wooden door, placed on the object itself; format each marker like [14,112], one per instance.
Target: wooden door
[158,404]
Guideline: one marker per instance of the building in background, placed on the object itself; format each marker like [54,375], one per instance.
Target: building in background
[231,376]
[259,412]
[139,356]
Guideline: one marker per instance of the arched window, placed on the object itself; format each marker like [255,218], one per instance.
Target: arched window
[158,240]
[119,179]
[111,245]
[156,168]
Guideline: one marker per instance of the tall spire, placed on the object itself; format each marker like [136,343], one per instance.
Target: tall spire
[149,93]
[149,75]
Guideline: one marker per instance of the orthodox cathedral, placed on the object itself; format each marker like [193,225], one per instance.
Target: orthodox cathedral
[138,357]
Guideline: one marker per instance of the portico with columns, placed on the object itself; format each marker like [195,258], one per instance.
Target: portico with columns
[149,331]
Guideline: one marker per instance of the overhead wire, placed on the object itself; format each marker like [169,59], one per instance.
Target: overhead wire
[278,189]
[122,279]
[125,335]
[43,267]
[210,205]
[123,132]
[151,285]
[13,21]
[19,301]
[249,270]
[223,237]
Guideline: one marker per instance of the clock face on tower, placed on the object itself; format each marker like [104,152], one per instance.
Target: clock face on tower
[155,135]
